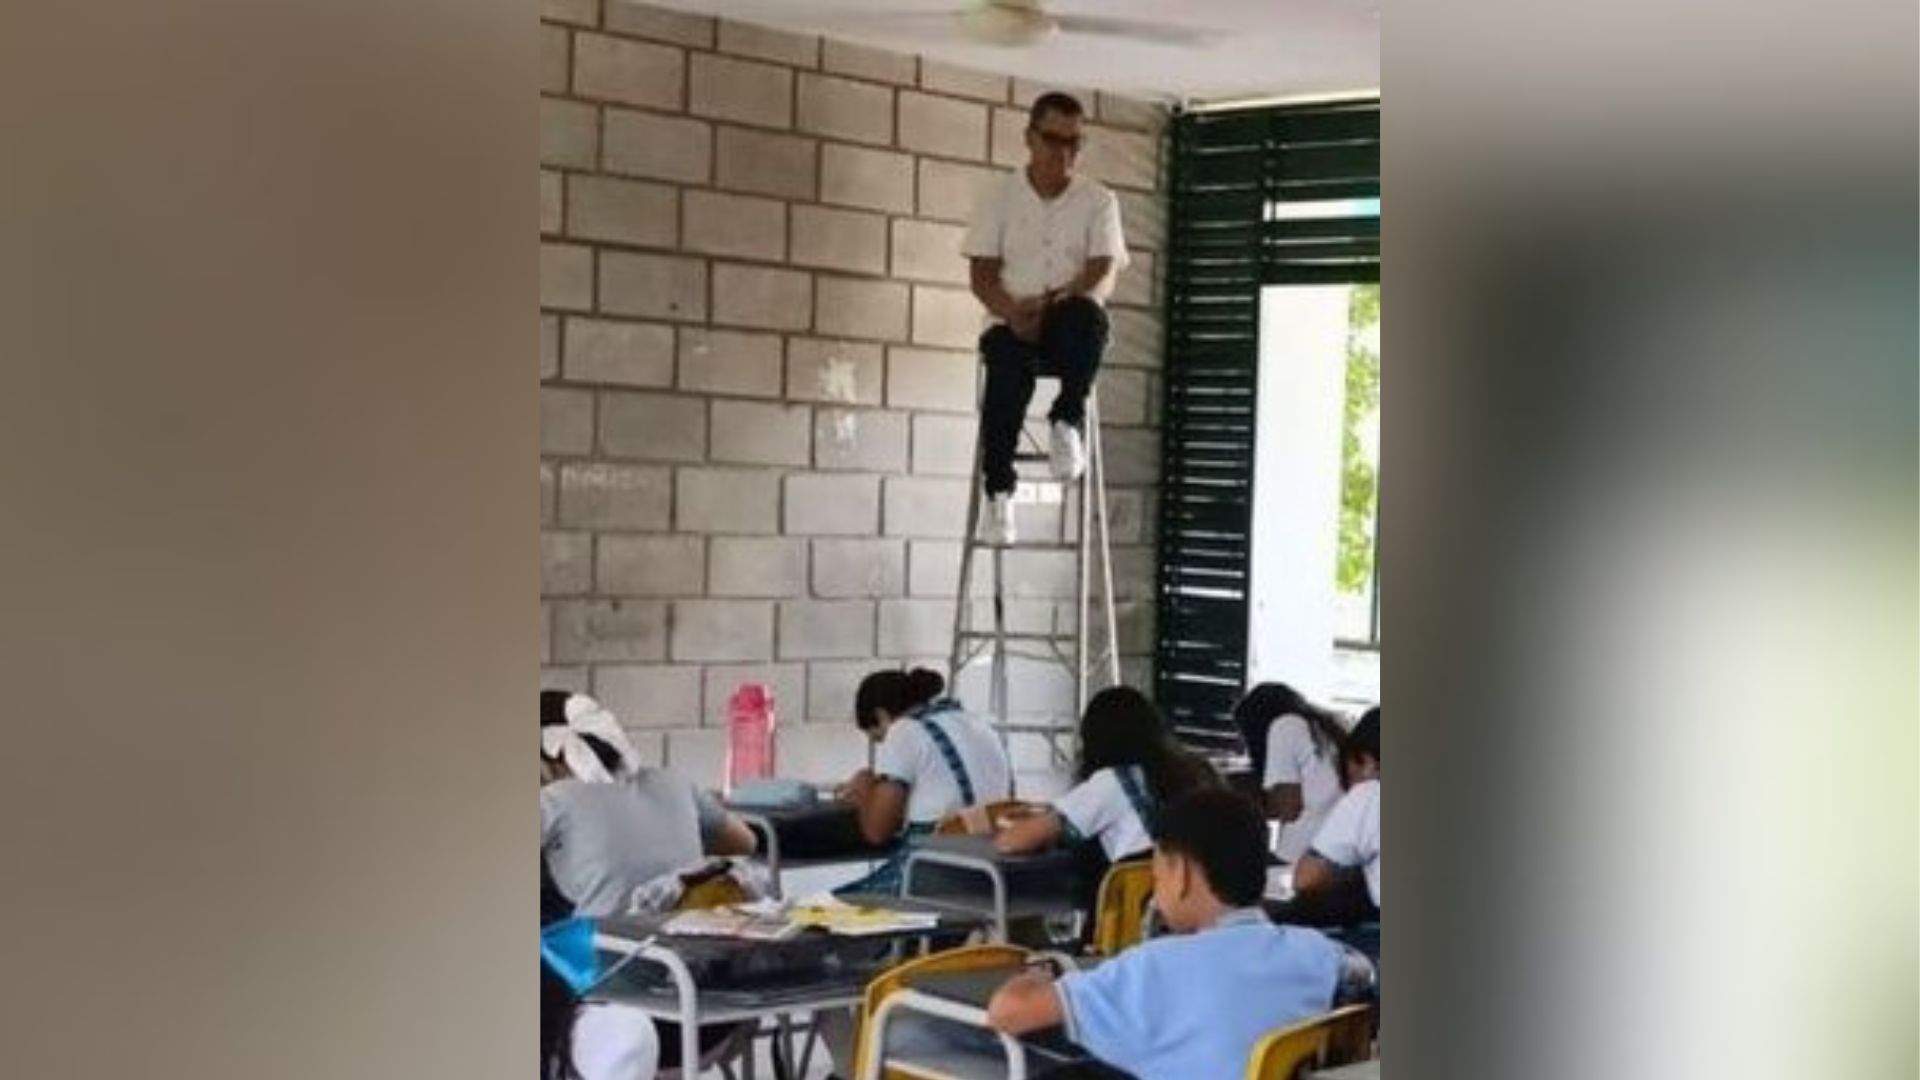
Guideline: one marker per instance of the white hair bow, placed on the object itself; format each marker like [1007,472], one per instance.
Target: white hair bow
[586,716]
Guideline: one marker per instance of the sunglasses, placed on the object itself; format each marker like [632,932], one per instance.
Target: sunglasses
[1069,143]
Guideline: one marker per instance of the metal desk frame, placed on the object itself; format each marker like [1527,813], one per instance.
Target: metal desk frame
[684,1006]
[685,1009]
[944,1008]
[990,868]
[770,852]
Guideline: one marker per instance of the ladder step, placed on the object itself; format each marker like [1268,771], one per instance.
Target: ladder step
[1030,545]
[988,635]
[1033,457]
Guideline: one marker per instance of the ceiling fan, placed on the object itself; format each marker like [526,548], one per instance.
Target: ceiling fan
[1016,23]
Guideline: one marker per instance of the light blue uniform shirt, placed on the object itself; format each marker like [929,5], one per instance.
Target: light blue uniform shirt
[1191,1007]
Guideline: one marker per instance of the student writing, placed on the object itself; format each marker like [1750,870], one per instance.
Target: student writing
[933,758]
[1189,1006]
[1296,748]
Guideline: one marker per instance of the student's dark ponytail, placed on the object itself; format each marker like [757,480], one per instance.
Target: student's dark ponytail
[894,692]
[923,685]
[1269,702]
[1122,727]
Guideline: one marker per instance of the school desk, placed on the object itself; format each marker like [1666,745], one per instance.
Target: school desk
[824,834]
[1016,886]
[766,991]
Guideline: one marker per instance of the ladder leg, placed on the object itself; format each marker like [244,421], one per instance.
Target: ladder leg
[1082,657]
[1097,470]
[999,671]
[965,589]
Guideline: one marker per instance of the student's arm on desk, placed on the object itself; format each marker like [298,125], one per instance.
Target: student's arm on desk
[735,838]
[1027,1002]
[1312,873]
[883,809]
[721,831]
[1030,832]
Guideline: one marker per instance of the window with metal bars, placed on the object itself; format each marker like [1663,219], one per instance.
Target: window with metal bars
[1265,196]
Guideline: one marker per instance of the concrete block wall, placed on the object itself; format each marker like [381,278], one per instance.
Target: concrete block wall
[758,380]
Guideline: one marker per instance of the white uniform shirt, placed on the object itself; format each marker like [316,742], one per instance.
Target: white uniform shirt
[1098,809]
[908,754]
[1044,243]
[1351,834]
[1292,759]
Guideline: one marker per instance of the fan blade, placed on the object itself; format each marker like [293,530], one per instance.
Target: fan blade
[1151,32]
[868,15]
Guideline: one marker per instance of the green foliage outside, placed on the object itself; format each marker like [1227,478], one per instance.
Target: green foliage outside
[1359,484]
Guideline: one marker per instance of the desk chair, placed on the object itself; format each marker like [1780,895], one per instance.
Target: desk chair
[1340,1037]
[1120,911]
[893,980]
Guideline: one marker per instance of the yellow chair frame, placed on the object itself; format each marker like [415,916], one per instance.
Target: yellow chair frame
[1340,1037]
[894,979]
[1120,910]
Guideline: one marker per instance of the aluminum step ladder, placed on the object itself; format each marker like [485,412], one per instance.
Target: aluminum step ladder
[1088,650]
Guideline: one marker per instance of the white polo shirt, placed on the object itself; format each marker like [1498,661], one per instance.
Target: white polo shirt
[1044,243]
[1099,809]
[1351,834]
[909,755]
[1293,759]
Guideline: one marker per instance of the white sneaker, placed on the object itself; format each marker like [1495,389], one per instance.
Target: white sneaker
[1068,451]
[997,527]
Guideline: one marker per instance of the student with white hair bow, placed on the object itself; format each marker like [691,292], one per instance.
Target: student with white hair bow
[578,735]
[610,824]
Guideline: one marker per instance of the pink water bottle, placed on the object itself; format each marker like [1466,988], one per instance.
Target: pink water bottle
[750,724]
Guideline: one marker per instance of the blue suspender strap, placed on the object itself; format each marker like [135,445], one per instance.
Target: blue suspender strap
[948,751]
[1133,782]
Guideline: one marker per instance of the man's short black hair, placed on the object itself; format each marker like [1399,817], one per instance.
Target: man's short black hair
[1225,834]
[1053,101]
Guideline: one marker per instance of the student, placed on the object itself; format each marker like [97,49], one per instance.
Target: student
[1295,746]
[1043,249]
[608,823]
[1189,1006]
[1348,843]
[933,759]
[1128,766]
[592,1040]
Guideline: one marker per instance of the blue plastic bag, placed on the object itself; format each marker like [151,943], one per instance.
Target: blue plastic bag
[567,947]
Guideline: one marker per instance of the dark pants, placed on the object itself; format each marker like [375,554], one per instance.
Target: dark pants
[1073,336]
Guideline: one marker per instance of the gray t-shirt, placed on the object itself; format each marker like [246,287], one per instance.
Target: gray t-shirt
[601,840]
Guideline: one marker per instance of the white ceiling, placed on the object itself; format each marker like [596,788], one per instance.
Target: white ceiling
[1267,48]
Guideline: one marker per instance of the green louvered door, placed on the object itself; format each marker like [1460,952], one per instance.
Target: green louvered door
[1232,233]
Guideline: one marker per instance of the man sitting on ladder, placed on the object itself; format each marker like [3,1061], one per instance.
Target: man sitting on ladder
[1044,246]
